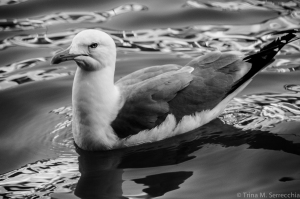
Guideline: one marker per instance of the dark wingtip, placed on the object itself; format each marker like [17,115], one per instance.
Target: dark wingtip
[271,49]
[265,56]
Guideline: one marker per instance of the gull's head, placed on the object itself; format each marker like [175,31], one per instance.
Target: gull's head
[91,49]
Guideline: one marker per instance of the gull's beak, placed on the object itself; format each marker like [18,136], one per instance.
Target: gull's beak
[64,56]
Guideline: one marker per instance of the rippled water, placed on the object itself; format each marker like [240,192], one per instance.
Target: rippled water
[252,148]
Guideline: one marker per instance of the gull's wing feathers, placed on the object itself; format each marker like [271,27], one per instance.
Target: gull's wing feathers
[145,95]
[150,94]
[214,75]
[146,73]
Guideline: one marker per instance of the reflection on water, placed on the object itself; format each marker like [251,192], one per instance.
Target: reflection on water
[41,178]
[104,174]
[10,2]
[263,111]
[254,146]
[69,17]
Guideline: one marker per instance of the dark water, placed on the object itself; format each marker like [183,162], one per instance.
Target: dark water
[252,149]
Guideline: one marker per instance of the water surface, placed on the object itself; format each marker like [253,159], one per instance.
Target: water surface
[252,148]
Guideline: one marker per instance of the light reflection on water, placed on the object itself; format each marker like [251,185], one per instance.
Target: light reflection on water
[265,119]
[41,178]
[10,2]
[263,111]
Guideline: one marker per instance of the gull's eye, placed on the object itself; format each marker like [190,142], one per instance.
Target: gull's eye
[93,45]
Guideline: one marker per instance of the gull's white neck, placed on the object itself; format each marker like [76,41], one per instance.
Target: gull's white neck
[95,101]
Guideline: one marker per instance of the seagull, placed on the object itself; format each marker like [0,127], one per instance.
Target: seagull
[153,103]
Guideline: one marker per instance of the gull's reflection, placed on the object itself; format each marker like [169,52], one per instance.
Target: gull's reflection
[102,172]
[100,176]
[160,184]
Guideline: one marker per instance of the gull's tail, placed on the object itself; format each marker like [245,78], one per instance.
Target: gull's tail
[265,56]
